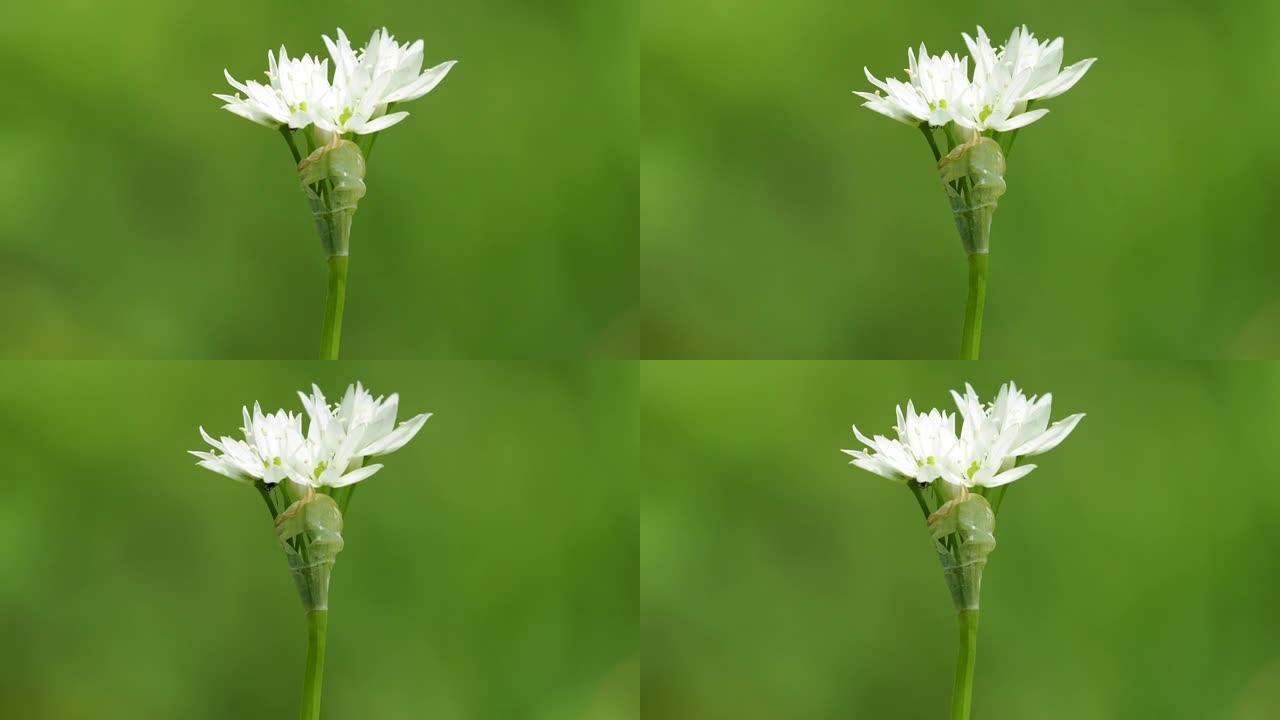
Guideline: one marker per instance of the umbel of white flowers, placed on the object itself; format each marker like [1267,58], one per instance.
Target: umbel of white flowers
[337,119]
[978,115]
[307,477]
[959,479]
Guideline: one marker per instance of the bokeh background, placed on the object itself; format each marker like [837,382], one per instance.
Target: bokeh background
[782,220]
[490,570]
[1135,575]
[138,220]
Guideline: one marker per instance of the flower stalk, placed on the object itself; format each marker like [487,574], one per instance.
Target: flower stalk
[962,689]
[971,337]
[335,300]
[313,685]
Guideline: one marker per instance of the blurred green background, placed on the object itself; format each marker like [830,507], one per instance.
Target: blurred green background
[139,220]
[783,220]
[1135,575]
[490,569]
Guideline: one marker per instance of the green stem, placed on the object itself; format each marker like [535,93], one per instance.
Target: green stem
[915,490]
[996,497]
[933,144]
[293,147]
[317,626]
[973,306]
[334,302]
[266,495]
[962,692]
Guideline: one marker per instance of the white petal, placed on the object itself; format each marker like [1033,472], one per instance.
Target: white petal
[1063,82]
[1050,438]
[355,476]
[1009,476]
[1021,120]
[380,124]
[425,83]
[397,438]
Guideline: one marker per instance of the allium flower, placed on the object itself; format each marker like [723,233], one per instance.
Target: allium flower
[1012,419]
[960,513]
[926,448]
[341,436]
[271,451]
[939,89]
[330,126]
[1023,55]
[970,123]
[332,452]
[297,89]
[365,82]
[984,454]
[933,85]
[368,81]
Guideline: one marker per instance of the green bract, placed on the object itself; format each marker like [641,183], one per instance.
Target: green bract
[963,536]
[310,531]
[333,179]
[973,177]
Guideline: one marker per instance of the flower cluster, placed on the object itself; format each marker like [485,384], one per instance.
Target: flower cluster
[986,451]
[330,453]
[940,90]
[365,84]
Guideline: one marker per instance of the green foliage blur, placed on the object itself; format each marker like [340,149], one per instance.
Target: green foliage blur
[1135,574]
[783,220]
[139,220]
[489,570]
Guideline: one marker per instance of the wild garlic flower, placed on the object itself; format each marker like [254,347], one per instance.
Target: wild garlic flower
[271,451]
[933,85]
[340,437]
[1022,55]
[296,90]
[939,90]
[332,451]
[1012,419]
[300,94]
[368,81]
[986,451]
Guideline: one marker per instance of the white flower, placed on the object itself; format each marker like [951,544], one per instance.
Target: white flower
[1005,80]
[300,94]
[1014,420]
[939,89]
[342,436]
[297,89]
[331,453]
[1022,54]
[985,453]
[933,84]
[926,448]
[273,448]
[367,81]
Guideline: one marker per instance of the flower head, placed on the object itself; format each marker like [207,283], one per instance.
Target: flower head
[985,453]
[934,83]
[340,437]
[940,90]
[297,89]
[365,82]
[271,451]
[331,453]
